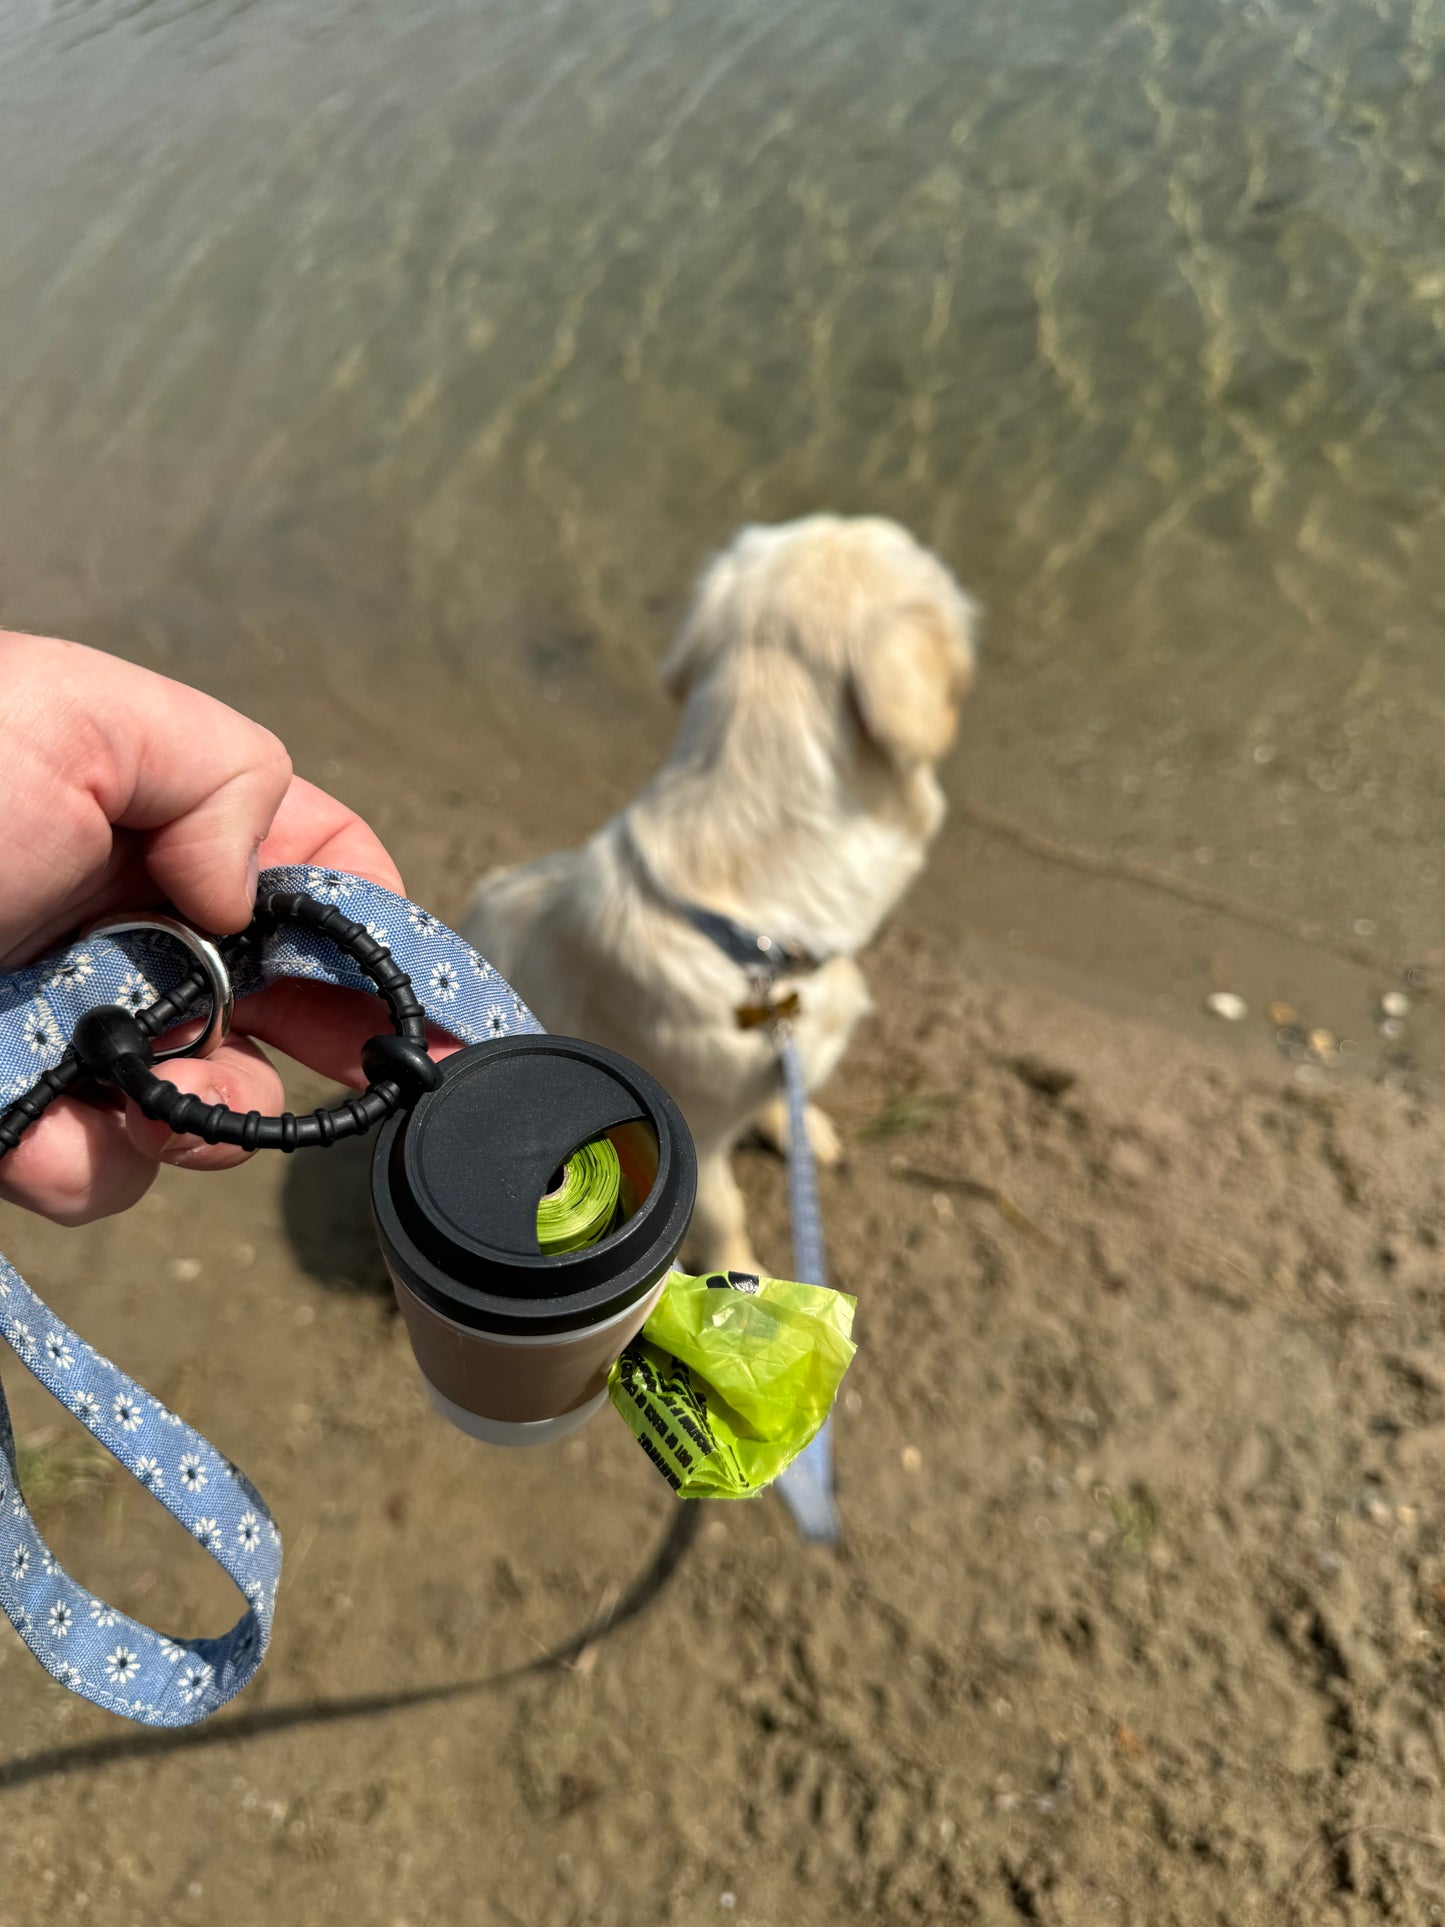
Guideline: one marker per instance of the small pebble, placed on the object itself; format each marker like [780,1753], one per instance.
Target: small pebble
[912,1458]
[1225,1004]
[943,1207]
[1321,1042]
[1408,1515]
[185,1270]
[1281,1013]
[1130,1162]
[1395,1003]
[727,1902]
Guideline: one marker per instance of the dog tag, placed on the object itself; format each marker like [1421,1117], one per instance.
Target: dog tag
[773,1010]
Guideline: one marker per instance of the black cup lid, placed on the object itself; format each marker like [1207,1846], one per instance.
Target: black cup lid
[456,1182]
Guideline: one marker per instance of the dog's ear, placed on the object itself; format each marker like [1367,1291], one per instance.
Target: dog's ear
[910,676]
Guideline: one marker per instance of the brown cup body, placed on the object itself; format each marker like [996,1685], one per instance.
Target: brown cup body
[515,1343]
[517,1380]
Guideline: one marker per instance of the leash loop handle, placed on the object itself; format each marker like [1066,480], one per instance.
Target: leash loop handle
[113,1045]
[87,1645]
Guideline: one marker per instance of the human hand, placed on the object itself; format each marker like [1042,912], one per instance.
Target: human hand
[125,791]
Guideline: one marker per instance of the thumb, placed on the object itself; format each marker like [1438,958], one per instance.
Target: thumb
[201,782]
[207,861]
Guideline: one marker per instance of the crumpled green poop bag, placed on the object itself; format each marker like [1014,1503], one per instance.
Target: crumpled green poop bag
[731,1377]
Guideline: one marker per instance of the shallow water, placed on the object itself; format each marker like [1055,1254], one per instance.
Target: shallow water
[465,331]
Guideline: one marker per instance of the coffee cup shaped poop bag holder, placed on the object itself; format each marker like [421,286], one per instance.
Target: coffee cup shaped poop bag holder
[513,1339]
[514,1330]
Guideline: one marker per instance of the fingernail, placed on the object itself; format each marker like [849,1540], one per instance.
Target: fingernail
[253,873]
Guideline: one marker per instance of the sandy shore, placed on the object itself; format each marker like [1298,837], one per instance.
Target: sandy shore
[1142,1607]
[390,371]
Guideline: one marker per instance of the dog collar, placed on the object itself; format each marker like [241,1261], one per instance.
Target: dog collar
[764,957]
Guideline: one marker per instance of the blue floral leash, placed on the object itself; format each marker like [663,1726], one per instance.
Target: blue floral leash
[89,1647]
[769,962]
[807,1484]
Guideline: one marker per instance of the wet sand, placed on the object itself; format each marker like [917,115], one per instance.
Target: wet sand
[1139,1616]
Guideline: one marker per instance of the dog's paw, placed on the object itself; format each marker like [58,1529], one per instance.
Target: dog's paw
[771,1126]
[733,1254]
[824,1137]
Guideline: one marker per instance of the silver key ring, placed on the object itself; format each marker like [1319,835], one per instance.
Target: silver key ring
[218,977]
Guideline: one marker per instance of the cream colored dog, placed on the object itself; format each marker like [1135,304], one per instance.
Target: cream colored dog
[821,669]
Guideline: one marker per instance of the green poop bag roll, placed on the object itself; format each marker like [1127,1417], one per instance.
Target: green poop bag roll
[731,1377]
[582,1205]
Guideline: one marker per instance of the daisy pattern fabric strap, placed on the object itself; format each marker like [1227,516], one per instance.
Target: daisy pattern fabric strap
[90,1647]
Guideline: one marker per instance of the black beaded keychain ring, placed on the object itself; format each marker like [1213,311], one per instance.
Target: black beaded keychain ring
[115,1046]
